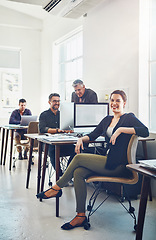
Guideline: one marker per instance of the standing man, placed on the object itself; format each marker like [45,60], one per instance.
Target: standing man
[82,94]
[49,122]
[15,118]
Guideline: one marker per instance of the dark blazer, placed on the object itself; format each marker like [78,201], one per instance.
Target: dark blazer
[88,97]
[117,154]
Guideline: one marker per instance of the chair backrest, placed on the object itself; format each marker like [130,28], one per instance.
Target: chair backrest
[33,128]
[131,153]
[131,150]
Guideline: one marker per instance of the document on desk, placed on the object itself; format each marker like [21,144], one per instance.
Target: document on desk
[58,138]
[150,164]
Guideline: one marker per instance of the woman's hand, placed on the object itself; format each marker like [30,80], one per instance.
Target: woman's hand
[120,130]
[79,145]
[114,136]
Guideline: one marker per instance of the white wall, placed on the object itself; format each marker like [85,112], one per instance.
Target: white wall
[111,40]
[22,31]
[111,48]
[53,29]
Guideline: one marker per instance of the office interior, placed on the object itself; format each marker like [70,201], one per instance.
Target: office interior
[115,52]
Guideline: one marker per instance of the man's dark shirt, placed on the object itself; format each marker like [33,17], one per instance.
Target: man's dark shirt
[15,118]
[88,97]
[48,120]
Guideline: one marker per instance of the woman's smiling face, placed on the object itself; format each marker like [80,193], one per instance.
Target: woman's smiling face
[117,103]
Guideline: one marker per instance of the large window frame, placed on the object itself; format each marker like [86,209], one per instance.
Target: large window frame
[68,62]
[147,64]
[152,65]
[10,80]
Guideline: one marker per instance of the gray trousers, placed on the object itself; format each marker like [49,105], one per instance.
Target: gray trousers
[81,167]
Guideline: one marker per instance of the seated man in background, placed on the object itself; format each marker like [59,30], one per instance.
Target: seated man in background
[15,118]
[49,122]
[82,94]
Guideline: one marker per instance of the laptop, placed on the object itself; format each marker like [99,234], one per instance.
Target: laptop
[150,164]
[26,119]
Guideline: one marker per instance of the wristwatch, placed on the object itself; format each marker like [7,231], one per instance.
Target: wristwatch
[56,130]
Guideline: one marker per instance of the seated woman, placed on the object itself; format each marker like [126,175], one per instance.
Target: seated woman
[117,130]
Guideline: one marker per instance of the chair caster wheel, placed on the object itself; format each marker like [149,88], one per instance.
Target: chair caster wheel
[131,209]
[135,227]
[13,166]
[87,226]
[122,199]
[32,163]
[89,208]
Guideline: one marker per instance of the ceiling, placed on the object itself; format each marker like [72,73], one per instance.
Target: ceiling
[35,9]
[30,9]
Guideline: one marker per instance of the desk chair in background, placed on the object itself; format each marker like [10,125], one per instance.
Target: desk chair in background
[32,128]
[98,180]
[63,166]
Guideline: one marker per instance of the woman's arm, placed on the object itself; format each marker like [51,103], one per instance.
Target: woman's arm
[79,144]
[120,130]
[134,126]
[98,131]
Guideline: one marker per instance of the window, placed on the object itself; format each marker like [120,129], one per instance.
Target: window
[152,66]
[147,64]
[10,79]
[68,62]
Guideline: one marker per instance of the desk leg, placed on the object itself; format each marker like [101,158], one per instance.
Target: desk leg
[57,164]
[2,145]
[11,147]
[29,161]
[144,146]
[39,165]
[142,207]
[6,144]
[44,166]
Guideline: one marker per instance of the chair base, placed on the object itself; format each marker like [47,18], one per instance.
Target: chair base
[51,170]
[15,159]
[98,190]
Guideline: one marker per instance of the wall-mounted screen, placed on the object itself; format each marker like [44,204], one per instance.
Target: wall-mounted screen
[88,114]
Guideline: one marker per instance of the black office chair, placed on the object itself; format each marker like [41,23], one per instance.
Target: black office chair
[51,170]
[98,180]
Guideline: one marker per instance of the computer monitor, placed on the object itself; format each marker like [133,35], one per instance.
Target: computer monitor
[88,115]
[66,116]
[26,119]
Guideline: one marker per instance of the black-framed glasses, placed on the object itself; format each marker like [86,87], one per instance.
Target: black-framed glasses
[56,101]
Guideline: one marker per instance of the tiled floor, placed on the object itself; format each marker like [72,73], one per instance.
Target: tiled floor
[23,217]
